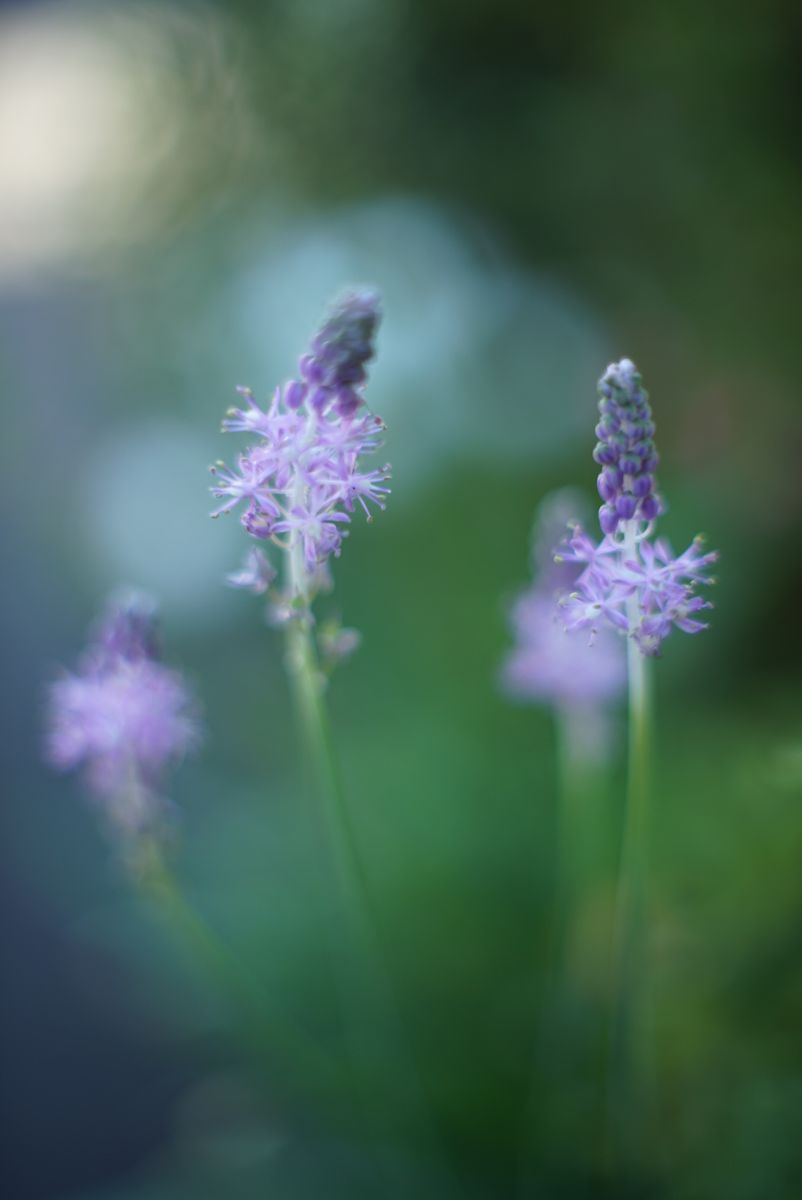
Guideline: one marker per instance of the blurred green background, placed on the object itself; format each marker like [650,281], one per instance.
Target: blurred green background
[535,189]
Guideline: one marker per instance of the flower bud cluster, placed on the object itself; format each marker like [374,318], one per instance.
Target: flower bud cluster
[625,450]
[334,368]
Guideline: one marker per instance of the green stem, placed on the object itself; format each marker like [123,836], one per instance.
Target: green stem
[365,992]
[377,1044]
[307,683]
[626,1097]
[553,1050]
[571,835]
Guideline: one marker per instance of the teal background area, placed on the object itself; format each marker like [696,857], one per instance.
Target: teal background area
[535,189]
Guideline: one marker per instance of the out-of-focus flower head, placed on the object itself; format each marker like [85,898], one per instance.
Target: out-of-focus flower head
[336,643]
[123,716]
[302,480]
[627,581]
[547,663]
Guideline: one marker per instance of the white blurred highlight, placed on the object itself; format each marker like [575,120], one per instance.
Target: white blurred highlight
[108,114]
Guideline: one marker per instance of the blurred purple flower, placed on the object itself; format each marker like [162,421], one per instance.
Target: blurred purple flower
[548,663]
[627,581]
[336,643]
[301,481]
[123,717]
[255,575]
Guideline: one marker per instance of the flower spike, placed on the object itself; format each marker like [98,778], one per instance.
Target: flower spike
[629,581]
[302,481]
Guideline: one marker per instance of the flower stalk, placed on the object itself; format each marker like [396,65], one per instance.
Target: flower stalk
[628,1099]
[307,682]
[300,483]
[570,856]
[124,718]
[376,1041]
[634,583]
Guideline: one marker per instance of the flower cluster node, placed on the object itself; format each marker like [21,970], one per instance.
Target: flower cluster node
[303,480]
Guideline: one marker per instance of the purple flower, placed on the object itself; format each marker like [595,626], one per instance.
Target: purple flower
[549,663]
[628,581]
[124,717]
[302,480]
